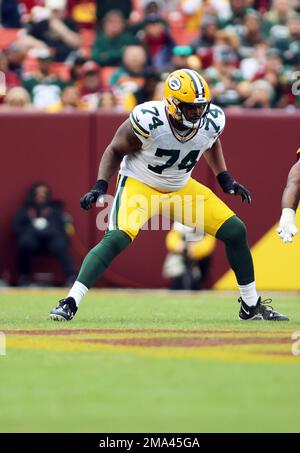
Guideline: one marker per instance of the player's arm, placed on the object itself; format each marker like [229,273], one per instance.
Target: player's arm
[289,203]
[216,161]
[291,193]
[124,142]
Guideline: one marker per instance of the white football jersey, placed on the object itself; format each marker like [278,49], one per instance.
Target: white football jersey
[166,159]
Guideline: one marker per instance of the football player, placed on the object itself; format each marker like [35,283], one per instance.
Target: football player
[289,203]
[155,151]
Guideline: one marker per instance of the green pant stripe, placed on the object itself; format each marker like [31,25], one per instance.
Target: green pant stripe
[113,220]
[119,200]
[111,223]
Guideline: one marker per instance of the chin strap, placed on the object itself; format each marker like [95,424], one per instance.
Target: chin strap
[190,124]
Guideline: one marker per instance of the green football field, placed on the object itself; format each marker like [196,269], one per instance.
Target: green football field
[147,362]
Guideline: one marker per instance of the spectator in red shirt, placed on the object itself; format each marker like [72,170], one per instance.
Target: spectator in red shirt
[157,41]
[76,70]
[90,85]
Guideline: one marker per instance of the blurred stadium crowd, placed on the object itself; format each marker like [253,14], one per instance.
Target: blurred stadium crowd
[88,54]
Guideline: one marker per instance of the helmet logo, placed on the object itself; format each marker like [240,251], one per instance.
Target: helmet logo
[174,84]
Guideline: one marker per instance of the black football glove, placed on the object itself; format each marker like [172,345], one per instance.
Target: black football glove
[100,188]
[229,185]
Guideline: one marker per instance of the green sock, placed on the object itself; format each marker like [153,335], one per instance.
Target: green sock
[99,258]
[234,234]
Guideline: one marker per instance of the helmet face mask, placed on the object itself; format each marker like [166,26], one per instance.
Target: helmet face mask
[187,98]
[193,114]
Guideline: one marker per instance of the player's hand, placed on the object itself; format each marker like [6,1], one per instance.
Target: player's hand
[233,187]
[87,201]
[99,190]
[238,189]
[287,228]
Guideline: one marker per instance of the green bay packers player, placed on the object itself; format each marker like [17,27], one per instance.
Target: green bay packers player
[289,203]
[155,151]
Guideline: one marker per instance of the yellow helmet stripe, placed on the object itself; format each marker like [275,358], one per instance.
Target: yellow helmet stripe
[298,154]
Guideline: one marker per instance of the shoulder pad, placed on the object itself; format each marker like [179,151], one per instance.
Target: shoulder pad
[215,121]
[139,122]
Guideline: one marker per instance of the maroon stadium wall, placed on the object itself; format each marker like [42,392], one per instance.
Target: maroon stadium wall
[64,151]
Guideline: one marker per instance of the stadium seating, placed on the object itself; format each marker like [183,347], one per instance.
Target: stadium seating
[8,36]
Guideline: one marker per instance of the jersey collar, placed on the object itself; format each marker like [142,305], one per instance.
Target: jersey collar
[186,135]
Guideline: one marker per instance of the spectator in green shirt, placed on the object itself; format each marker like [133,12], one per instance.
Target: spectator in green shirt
[43,86]
[278,16]
[109,44]
[289,43]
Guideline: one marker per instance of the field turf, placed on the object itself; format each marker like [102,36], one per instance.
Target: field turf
[147,362]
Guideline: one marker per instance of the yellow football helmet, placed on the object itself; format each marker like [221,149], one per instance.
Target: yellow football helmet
[186,87]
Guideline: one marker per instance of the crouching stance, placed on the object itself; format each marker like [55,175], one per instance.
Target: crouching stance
[155,151]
